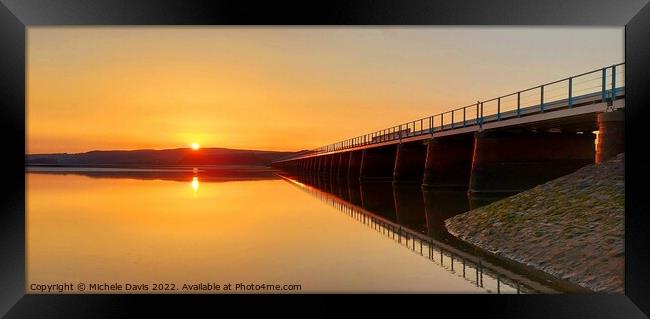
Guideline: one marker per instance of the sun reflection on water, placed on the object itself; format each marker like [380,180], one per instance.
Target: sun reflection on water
[195,183]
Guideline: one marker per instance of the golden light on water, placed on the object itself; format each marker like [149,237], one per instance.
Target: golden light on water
[195,183]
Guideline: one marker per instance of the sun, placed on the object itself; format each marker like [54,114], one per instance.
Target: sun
[195,146]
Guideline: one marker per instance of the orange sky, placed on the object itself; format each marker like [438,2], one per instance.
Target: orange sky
[278,88]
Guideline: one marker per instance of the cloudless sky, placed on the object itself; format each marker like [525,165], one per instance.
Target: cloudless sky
[279,88]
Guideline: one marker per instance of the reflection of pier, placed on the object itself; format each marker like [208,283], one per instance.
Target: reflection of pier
[414,222]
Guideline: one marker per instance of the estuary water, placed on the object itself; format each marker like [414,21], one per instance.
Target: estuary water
[249,231]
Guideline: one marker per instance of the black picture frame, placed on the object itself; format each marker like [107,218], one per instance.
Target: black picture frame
[17,15]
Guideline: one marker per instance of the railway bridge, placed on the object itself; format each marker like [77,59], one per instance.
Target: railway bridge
[502,145]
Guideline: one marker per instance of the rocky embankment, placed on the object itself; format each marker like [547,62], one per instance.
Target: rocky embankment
[571,227]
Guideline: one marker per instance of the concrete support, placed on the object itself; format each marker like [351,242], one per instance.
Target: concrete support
[611,135]
[448,162]
[333,164]
[377,163]
[409,163]
[354,191]
[341,187]
[325,164]
[319,165]
[510,162]
[314,165]
[354,165]
[344,160]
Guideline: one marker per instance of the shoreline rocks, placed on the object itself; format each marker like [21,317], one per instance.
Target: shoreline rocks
[571,227]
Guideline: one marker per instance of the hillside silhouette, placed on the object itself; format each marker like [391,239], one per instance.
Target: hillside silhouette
[179,156]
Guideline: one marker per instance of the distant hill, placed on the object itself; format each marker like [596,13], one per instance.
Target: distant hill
[179,156]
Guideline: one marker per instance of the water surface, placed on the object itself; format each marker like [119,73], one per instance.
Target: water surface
[191,227]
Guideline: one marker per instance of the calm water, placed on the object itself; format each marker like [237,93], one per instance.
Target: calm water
[252,227]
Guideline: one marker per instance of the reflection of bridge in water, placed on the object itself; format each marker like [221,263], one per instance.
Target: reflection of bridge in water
[414,219]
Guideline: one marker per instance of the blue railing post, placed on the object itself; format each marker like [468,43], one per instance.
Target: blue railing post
[481,122]
[400,133]
[452,119]
[464,108]
[570,93]
[604,76]
[613,82]
[541,99]
[431,124]
[518,104]
[498,108]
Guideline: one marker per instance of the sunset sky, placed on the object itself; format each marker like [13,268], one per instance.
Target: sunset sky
[278,88]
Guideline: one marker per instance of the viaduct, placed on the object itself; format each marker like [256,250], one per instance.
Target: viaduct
[503,145]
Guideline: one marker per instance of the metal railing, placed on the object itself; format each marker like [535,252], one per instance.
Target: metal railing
[602,85]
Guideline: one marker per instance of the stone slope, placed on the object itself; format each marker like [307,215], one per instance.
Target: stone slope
[571,227]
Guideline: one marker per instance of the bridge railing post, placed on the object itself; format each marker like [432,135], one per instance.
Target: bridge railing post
[452,119]
[604,77]
[464,117]
[498,108]
[541,98]
[477,112]
[613,82]
[481,121]
[570,92]
[519,104]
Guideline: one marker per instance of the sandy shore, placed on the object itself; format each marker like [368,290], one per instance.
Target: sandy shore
[571,227]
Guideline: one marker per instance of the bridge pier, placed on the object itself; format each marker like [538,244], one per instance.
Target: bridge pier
[354,165]
[316,165]
[611,135]
[342,168]
[342,188]
[448,162]
[321,165]
[377,163]
[312,165]
[354,191]
[333,164]
[307,165]
[510,162]
[302,165]
[326,164]
[409,163]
